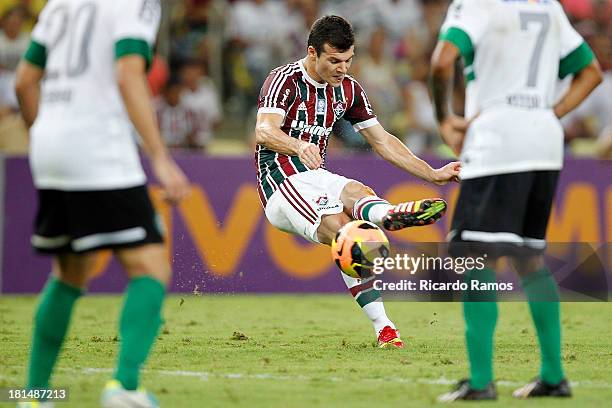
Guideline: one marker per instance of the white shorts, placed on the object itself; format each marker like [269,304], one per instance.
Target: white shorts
[303,199]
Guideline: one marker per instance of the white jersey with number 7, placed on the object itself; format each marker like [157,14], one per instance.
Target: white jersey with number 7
[514,53]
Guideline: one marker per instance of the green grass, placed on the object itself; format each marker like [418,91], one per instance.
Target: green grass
[307,351]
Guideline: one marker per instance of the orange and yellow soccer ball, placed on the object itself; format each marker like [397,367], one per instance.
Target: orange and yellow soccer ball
[356,246]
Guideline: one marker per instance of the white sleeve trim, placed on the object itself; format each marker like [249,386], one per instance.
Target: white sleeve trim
[278,111]
[365,124]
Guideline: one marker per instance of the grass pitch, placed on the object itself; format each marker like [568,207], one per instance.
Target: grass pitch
[307,351]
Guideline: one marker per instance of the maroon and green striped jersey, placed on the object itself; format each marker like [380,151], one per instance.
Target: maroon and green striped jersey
[309,109]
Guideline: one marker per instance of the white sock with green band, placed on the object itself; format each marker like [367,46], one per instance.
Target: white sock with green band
[369,300]
[371,208]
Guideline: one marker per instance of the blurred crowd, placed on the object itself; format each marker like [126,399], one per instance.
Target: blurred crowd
[214,55]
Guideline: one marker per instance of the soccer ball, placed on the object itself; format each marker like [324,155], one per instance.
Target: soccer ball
[356,246]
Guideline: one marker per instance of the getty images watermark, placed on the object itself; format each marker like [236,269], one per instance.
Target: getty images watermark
[412,265]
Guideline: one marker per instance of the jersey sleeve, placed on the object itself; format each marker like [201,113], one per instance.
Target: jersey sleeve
[277,93]
[465,26]
[575,53]
[135,28]
[46,27]
[360,114]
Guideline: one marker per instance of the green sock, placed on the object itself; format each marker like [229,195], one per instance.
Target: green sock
[480,314]
[543,296]
[138,327]
[50,326]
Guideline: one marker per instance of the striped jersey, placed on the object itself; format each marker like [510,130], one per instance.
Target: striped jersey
[309,111]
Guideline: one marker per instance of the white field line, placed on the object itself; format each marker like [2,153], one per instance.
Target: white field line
[205,376]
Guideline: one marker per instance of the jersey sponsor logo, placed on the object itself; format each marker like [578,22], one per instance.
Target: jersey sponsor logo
[64,95]
[321,107]
[339,108]
[321,201]
[330,207]
[285,96]
[312,129]
[524,101]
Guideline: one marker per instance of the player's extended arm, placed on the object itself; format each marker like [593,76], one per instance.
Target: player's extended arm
[395,152]
[583,83]
[132,82]
[268,133]
[27,89]
[452,127]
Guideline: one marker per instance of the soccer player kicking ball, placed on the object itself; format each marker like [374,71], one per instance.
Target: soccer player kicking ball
[91,187]
[298,105]
[511,148]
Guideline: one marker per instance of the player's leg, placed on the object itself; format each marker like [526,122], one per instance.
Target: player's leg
[71,273]
[480,310]
[329,227]
[484,211]
[370,301]
[542,294]
[362,203]
[309,204]
[480,314]
[542,291]
[362,290]
[125,221]
[65,285]
[149,272]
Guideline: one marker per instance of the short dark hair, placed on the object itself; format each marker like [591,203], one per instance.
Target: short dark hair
[334,31]
[172,82]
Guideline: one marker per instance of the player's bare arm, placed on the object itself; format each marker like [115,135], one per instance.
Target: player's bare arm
[27,88]
[395,152]
[583,83]
[268,133]
[134,90]
[452,127]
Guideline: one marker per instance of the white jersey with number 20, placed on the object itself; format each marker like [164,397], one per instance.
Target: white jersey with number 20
[82,138]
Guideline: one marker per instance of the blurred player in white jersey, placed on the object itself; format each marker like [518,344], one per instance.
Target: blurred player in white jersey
[511,147]
[82,90]
[298,105]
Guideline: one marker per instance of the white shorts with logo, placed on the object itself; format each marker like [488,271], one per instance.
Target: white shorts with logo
[303,199]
